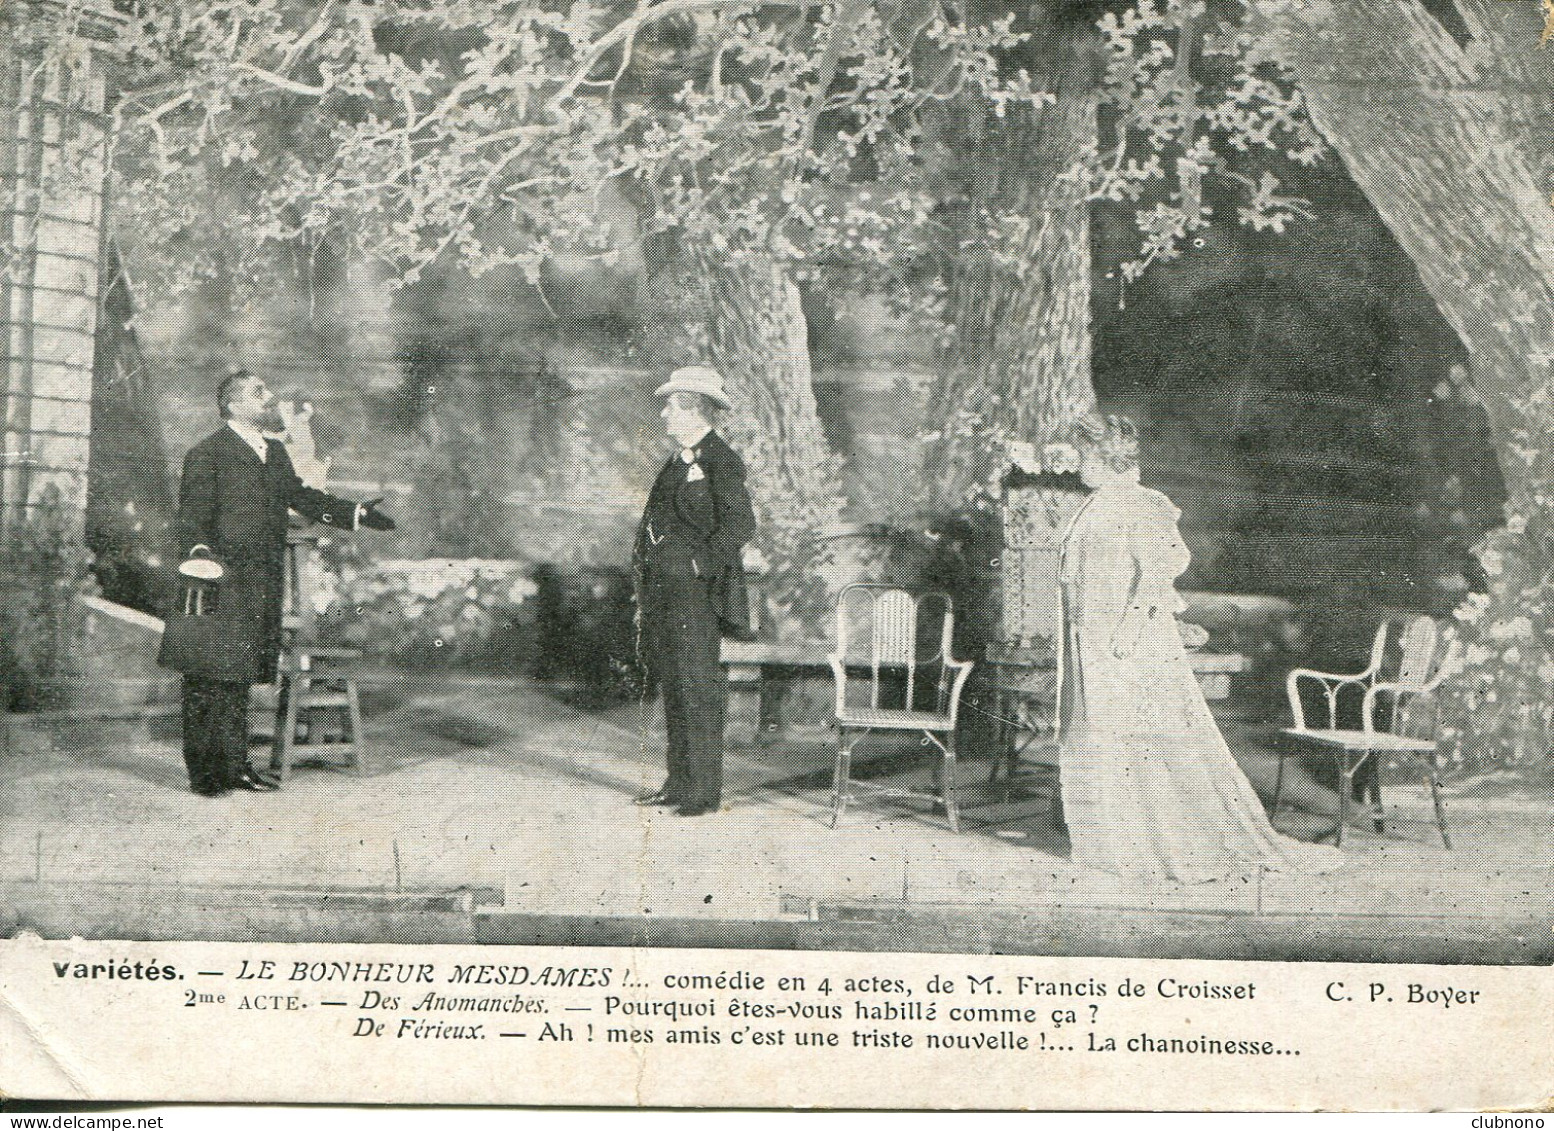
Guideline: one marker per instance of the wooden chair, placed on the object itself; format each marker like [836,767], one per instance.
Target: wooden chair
[1409,707]
[877,630]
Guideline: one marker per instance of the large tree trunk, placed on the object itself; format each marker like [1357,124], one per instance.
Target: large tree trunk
[1444,159]
[1446,141]
[1015,363]
[759,340]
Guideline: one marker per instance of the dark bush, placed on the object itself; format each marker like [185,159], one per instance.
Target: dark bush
[586,627]
[44,567]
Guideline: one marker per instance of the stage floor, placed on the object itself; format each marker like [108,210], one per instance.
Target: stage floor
[492,800]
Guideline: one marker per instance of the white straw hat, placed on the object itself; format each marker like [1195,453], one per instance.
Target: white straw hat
[696,379]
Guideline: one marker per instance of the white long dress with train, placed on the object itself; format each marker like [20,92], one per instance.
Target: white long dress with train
[1150,788]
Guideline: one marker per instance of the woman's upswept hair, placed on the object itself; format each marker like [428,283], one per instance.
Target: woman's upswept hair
[1115,438]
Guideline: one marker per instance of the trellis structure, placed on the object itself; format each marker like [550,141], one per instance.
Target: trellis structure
[52,175]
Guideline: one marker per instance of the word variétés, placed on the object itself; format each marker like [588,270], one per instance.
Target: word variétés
[123,970]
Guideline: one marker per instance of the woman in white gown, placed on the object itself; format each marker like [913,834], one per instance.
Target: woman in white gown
[1149,787]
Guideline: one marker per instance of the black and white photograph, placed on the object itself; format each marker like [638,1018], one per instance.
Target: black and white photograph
[1058,481]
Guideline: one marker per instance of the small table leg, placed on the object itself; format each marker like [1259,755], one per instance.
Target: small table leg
[1006,736]
[774,686]
[1003,737]
[282,698]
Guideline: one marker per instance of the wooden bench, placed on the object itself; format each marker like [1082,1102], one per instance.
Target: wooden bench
[771,669]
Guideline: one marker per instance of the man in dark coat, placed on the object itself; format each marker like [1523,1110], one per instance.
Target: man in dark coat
[690,587]
[237,491]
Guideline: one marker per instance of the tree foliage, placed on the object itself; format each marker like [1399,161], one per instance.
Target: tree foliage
[490,131]
[1194,105]
[496,132]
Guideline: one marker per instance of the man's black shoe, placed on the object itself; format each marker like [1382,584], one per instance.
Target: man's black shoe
[661,797]
[263,775]
[696,810]
[254,783]
[210,790]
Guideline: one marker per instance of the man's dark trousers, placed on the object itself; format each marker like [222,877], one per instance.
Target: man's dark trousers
[681,646]
[215,732]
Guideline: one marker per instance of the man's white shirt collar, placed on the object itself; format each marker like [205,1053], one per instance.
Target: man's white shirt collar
[252,437]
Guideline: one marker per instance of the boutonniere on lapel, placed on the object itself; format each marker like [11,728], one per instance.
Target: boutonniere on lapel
[694,473]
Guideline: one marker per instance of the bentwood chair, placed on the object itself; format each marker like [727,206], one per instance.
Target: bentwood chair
[1405,705]
[886,681]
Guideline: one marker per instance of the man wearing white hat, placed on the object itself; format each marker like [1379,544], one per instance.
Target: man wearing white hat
[690,586]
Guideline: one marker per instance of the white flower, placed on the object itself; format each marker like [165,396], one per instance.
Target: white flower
[1493,562]
[1516,524]
[1023,456]
[1473,608]
[1518,629]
